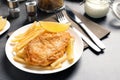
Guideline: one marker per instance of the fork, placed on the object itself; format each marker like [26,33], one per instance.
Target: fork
[62,19]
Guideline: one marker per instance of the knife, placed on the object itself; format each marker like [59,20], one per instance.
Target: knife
[87,40]
[96,40]
[62,19]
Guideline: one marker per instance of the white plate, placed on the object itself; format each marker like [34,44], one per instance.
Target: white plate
[7,26]
[78,50]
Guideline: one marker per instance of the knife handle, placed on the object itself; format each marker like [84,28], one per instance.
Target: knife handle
[94,38]
[88,41]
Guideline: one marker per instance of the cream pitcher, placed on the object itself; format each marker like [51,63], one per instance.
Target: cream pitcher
[96,8]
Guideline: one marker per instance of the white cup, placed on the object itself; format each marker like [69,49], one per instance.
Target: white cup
[96,8]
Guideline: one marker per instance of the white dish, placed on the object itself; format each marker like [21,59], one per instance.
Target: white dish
[7,26]
[78,50]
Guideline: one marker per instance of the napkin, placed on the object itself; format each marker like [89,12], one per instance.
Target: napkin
[100,31]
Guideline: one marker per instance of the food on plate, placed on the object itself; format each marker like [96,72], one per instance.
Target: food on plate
[46,48]
[69,50]
[54,26]
[2,23]
[39,47]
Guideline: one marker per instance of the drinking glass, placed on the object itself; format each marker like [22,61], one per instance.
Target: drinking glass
[50,6]
[116,12]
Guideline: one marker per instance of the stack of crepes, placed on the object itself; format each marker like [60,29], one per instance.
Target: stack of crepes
[45,45]
[2,23]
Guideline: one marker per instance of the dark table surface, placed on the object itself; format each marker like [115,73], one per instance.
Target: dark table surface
[91,66]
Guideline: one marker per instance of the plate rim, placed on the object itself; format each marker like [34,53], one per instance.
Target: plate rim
[47,72]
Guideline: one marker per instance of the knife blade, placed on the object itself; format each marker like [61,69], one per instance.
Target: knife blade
[87,40]
[92,36]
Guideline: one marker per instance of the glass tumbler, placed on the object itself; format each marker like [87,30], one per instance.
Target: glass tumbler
[50,6]
[116,12]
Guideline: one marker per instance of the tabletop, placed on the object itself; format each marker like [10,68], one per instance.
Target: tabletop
[91,66]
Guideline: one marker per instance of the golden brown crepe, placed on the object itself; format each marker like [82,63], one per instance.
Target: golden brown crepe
[46,48]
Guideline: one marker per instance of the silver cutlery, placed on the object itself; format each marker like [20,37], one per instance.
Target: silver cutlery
[62,19]
[93,37]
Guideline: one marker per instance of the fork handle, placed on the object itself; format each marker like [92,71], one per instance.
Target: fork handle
[92,36]
[88,41]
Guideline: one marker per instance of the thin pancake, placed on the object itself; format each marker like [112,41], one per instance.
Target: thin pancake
[46,48]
